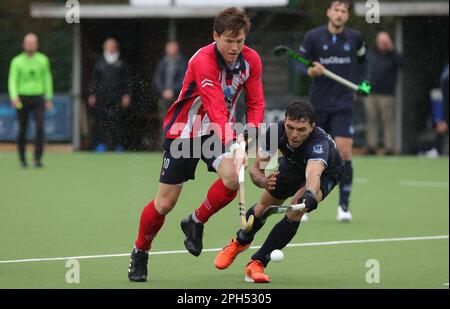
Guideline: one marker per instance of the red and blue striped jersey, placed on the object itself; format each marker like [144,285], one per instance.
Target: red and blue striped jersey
[210,93]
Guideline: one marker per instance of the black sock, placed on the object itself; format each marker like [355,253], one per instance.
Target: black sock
[244,238]
[281,234]
[345,186]
[438,142]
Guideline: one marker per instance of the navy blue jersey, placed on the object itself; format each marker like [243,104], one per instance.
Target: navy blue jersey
[318,146]
[343,54]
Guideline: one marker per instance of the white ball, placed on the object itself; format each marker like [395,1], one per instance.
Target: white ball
[277,255]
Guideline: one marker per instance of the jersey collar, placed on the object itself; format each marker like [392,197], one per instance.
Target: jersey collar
[343,34]
[240,66]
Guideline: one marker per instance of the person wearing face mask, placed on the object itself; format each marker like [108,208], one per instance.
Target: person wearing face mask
[109,98]
[30,88]
[384,63]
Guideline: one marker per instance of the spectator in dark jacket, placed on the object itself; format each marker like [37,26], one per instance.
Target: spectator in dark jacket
[109,97]
[168,77]
[384,64]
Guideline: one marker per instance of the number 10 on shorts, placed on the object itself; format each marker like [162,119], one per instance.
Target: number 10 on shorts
[166,162]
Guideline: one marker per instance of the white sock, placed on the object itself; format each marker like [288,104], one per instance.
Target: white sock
[194,217]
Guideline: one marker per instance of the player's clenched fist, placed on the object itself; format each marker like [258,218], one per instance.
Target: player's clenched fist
[309,198]
[316,70]
[271,181]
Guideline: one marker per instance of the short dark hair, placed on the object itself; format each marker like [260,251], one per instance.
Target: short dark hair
[301,110]
[231,19]
[348,3]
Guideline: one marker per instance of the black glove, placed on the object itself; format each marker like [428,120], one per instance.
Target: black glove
[309,198]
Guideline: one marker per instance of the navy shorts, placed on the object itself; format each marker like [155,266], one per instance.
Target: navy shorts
[336,123]
[289,181]
[181,156]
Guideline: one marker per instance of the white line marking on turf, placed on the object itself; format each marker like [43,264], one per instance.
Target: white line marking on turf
[365,241]
[429,184]
[307,244]
[409,183]
[363,181]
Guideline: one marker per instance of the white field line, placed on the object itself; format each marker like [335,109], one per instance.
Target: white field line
[409,183]
[310,244]
[429,184]
[362,181]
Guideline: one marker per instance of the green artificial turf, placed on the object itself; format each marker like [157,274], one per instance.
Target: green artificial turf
[85,204]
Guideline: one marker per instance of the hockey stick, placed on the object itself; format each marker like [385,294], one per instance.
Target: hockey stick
[277,209]
[363,88]
[245,224]
[274,209]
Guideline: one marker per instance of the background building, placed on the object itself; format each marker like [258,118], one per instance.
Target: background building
[420,30]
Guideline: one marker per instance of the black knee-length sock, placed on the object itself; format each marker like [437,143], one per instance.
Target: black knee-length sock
[345,186]
[244,238]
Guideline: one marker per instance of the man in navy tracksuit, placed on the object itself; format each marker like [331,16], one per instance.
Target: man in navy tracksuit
[342,51]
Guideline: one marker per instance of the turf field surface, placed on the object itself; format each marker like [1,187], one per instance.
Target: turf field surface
[88,206]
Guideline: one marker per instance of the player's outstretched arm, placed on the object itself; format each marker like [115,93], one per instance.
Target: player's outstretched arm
[312,195]
[314,170]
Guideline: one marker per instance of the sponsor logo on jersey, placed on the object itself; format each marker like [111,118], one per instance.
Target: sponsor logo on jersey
[335,60]
[318,149]
[347,47]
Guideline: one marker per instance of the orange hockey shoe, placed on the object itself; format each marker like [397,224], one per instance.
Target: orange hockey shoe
[254,273]
[227,255]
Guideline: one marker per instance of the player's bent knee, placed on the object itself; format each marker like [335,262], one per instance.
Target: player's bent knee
[231,182]
[345,150]
[227,173]
[164,205]
[346,155]
[259,210]
[345,146]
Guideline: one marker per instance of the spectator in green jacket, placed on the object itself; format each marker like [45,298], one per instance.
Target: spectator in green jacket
[31,91]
